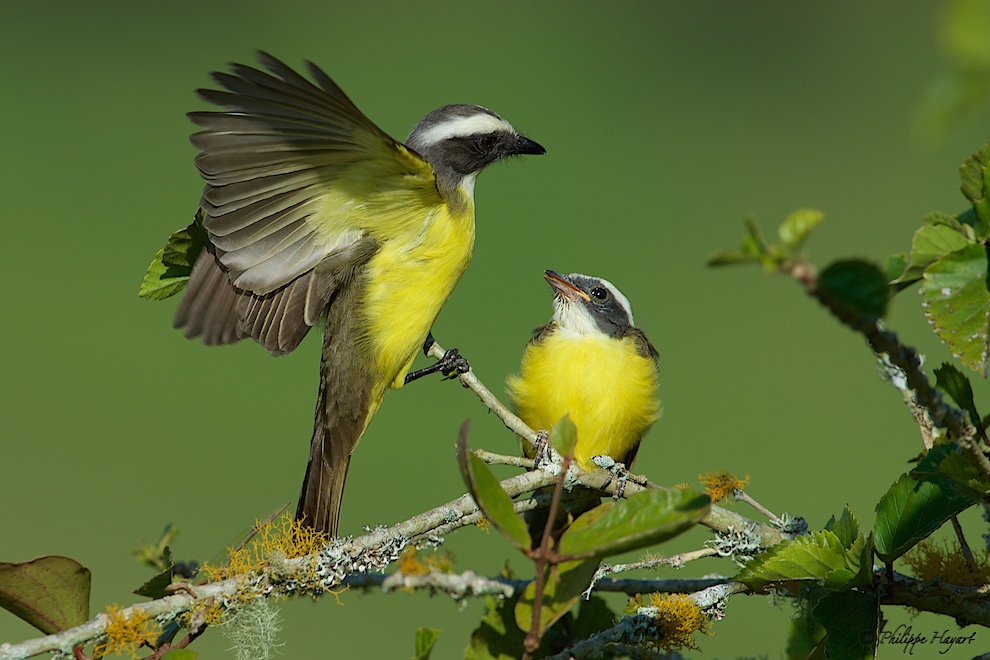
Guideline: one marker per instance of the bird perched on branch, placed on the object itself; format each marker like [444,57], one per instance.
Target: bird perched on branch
[592,363]
[311,209]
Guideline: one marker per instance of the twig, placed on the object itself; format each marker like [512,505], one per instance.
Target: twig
[469,380]
[676,561]
[457,586]
[967,553]
[501,459]
[743,496]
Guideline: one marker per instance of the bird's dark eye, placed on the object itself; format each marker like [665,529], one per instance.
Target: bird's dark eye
[487,142]
[600,293]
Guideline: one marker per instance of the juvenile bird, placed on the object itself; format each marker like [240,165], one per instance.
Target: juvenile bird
[591,362]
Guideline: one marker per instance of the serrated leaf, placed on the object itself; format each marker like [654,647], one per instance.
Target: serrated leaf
[859,560]
[169,273]
[797,227]
[846,528]
[157,586]
[426,639]
[850,620]
[811,557]
[51,593]
[955,383]
[975,182]
[859,285]
[957,304]
[559,595]
[489,496]
[642,520]
[497,637]
[912,509]
[936,238]
[563,437]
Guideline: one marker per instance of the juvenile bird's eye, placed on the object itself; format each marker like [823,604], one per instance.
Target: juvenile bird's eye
[600,293]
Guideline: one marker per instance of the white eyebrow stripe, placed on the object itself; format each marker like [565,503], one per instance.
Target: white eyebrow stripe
[479,124]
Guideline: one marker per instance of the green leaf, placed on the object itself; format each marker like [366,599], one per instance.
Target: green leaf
[850,619]
[563,437]
[489,496]
[939,236]
[559,595]
[899,273]
[859,285]
[859,560]
[975,182]
[180,654]
[157,586]
[806,639]
[426,639]
[954,383]
[169,273]
[957,304]
[811,557]
[644,519]
[945,459]
[51,593]
[912,509]
[797,227]
[497,637]
[846,528]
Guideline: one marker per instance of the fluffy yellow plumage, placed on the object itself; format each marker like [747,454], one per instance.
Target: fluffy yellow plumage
[591,363]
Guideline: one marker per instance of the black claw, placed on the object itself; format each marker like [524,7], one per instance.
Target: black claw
[451,365]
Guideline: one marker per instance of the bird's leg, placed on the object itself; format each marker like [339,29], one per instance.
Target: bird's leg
[616,470]
[451,365]
[542,448]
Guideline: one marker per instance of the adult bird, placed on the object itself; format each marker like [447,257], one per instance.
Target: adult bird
[312,210]
[590,362]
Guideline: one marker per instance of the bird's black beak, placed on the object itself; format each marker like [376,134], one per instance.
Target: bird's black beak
[525,146]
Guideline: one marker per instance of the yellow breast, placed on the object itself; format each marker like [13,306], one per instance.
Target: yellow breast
[609,390]
[408,281]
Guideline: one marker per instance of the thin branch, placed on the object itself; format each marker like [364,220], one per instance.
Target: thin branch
[676,561]
[469,380]
[457,586]
[965,604]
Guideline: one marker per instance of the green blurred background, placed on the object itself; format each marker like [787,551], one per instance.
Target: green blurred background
[665,124]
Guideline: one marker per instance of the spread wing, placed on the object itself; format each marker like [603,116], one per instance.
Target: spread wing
[294,175]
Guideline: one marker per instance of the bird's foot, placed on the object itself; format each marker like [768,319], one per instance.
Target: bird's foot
[616,470]
[451,365]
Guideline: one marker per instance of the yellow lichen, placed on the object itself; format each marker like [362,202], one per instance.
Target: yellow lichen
[410,564]
[284,538]
[127,631]
[676,620]
[722,484]
[930,560]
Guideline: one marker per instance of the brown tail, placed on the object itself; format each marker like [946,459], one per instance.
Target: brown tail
[345,404]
